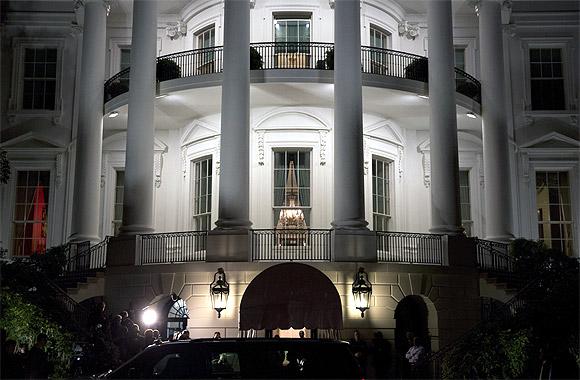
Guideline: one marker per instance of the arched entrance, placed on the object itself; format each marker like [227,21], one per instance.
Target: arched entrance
[172,314]
[291,295]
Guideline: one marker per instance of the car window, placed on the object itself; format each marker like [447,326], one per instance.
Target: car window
[172,366]
[224,364]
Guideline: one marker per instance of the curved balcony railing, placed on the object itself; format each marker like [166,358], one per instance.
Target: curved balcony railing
[294,55]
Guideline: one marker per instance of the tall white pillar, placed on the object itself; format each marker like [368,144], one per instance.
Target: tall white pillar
[498,224]
[234,184]
[349,211]
[445,214]
[138,193]
[86,199]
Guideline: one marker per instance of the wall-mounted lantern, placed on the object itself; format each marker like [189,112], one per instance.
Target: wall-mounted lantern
[362,290]
[219,291]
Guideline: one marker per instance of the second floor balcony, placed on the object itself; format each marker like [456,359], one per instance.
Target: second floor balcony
[380,67]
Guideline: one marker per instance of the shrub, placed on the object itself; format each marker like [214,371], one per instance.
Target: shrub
[468,89]
[167,70]
[418,69]
[115,89]
[256,62]
[23,321]
[329,59]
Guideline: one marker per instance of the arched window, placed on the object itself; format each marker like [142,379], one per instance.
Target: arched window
[177,317]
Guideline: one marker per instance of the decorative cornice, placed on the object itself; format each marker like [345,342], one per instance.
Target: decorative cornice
[260,149]
[407,29]
[157,168]
[400,151]
[59,169]
[426,162]
[323,135]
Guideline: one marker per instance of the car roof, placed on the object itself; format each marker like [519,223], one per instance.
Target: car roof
[293,341]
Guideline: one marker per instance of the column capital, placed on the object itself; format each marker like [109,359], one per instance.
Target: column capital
[80,4]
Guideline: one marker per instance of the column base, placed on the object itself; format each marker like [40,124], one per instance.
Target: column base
[448,230]
[135,229]
[501,238]
[354,245]
[77,238]
[228,245]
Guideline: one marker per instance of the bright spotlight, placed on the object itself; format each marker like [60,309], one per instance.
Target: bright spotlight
[471,115]
[423,96]
[149,317]
[114,114]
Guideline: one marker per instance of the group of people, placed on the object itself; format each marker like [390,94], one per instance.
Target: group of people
[379,353]
[17,363]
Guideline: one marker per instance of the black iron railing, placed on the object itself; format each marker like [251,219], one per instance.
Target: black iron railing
[173,247]
[293,55]
[291,245]
[411,248]
[81,256]
[494,257]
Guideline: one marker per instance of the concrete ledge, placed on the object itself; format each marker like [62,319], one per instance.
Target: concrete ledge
[228,245]
[354,245]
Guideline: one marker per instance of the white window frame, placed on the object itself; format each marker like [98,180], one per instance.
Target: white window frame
[292,16]
[470,192]
[390,176]
[20,46]
[565,44]
[116,185]
[193,191]
[380,29]
[201,31]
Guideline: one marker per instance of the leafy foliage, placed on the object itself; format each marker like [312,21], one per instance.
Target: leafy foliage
[4,167]
[23,321]
[256,62]
[329,59]
[418,69]
[167,69]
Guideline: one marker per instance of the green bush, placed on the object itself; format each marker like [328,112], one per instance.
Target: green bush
[256,62]
[329,59]
[23,321]
[418,69]
[167,69]
[115,89]
[468,89]
[51,262]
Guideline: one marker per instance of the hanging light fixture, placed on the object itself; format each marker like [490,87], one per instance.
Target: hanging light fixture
[362,290]
[219,291]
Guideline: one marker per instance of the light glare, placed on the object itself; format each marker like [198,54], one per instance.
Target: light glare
[149,317]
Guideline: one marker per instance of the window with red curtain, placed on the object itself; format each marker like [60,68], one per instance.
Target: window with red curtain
[29,228]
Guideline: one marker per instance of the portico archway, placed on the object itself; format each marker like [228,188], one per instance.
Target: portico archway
[291,295]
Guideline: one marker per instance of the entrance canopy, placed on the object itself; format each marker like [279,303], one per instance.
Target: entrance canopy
[291,295]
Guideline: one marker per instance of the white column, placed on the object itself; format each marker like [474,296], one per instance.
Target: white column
[234,184]
[445,214]
[138,194]
[86,199]
[349,211]
[498,221]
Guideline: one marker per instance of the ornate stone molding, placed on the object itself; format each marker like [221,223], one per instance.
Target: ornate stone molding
[183,161]
[480,173]
[525,159]
[261,153]
[366,162]
[157,168]
[400,151]
[426,162]
[252,4]
[331,3]
[407,29]
[104,171]
[59,169]
[323,142]
[175,30]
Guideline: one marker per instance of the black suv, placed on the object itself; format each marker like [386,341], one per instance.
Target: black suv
[242,358]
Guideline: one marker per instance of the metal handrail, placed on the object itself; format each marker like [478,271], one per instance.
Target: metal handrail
[309,244]
[172,247]
[494,256]
[410,247]
[86,257]
[293,55]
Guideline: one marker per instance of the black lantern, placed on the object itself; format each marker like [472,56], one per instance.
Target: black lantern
[219,291]
[362,290]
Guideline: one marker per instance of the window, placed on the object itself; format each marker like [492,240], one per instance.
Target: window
[381,194]
[125,63]
[30,213]
[292,189]
[465,201]
[554,210]
[206,37]
[224,365]
[202,188]
[39,79]
[379,39]
[547,79]
[292,34]
[118,202]
[460,57]
[177,318]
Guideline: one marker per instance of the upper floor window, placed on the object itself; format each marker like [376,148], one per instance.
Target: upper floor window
[547,79]
[381,194]
[29,227]
[459,57]
[202,193]
[292,188]
[292,33]
[379,38]
[465,201]
[554,208]
[125,62]
[39,78]
[206,37]
[118,201]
